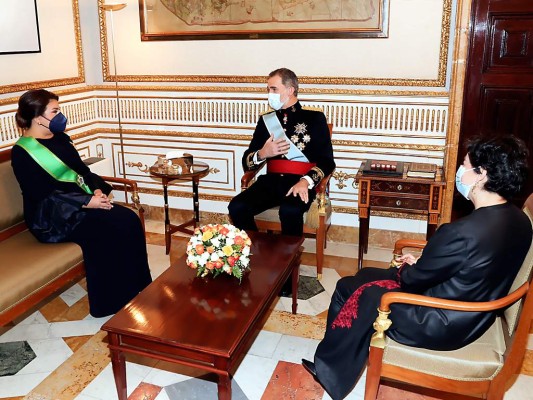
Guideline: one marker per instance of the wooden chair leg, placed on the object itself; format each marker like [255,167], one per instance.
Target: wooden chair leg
[320,244]
[373,373]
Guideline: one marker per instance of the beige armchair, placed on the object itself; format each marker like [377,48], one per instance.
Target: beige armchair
[483,368]
[317,219]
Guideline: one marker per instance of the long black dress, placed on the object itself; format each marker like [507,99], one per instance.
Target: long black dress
[112,241]
[475,258]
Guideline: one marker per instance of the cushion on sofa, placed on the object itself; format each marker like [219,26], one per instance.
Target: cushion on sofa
[11,212]
[28,265]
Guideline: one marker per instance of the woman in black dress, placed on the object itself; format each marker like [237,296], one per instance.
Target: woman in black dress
[475,258]
[65,202]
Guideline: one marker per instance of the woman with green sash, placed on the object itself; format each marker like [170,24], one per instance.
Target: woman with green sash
[65,202]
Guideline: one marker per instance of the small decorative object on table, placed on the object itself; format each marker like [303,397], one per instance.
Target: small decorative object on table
[380,167]
[216,249]
[422,170]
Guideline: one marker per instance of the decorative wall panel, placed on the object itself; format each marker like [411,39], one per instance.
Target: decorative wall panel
[217,130]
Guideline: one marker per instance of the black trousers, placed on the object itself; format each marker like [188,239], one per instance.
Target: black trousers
[341,356]
[269,191]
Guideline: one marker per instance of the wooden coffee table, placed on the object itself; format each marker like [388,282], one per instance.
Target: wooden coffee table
[208,323]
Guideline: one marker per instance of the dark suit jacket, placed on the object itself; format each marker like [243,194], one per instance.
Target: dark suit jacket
[475,258]
[306,128]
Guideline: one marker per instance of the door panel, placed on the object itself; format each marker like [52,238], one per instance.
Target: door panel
[498,96]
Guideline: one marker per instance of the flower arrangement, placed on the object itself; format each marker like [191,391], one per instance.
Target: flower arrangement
[216,249]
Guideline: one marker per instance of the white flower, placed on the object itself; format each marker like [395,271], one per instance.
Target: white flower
[227,269]
[214,257]
[244,261]
[230,241]
[231,233]
[215,242]
[203,258]
[246,251]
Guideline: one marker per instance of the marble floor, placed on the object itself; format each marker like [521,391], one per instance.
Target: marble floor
[58,352]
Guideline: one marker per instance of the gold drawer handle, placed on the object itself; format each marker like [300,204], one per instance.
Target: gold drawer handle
[399,187]
[398,203]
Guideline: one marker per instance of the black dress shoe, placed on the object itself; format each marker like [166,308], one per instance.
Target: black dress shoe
[309,366]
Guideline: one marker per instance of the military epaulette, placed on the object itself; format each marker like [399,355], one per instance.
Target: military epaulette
[310,108]
[266,112]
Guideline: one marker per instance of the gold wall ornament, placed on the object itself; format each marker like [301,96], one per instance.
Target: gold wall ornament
[22,87]
[391,145]
[140,166]
[261,90]
[341,177]
[344,210]
[214,171]
[188,195]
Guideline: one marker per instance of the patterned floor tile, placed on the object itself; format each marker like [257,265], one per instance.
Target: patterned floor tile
[292,381]
[145,391]
[14,356]
[205,388]
[270,370]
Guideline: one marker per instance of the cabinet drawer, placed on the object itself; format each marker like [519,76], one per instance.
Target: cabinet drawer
[399,202]
[399,187]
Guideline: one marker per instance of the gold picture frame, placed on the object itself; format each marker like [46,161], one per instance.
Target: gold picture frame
[263,19]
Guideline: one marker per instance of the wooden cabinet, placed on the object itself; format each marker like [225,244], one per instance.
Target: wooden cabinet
[397,194]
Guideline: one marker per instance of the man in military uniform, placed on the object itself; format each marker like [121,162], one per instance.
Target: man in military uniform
[288,184]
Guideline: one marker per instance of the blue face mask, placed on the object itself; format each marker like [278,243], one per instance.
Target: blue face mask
[462,188]
[58,123]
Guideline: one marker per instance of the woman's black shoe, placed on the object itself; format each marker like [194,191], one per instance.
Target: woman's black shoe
[309,366]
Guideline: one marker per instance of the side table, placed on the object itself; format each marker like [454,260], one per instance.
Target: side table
[397,194]
[194,173]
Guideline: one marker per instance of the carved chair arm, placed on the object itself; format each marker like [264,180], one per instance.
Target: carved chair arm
[383,322]
[404,243]
[322,189]
[249,177]
[477,306]
[127,185]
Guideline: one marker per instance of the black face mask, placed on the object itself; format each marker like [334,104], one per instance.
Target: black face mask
[58,123]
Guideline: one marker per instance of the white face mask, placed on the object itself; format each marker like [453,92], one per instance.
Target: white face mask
[463,188]
[274,100]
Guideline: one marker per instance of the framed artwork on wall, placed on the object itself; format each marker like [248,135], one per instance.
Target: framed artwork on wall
[263,19]
[19,27]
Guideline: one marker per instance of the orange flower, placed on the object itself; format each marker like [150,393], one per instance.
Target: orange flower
[224,231]
[199,248]
[232,261]
[219,264]
[238,240]
[211,249]
[210,265]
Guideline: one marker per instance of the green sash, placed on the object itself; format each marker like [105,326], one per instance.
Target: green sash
[51,163]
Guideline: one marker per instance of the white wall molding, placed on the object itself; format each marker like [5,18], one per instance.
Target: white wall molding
[217,130]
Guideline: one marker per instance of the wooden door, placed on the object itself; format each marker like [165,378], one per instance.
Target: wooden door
[498,96]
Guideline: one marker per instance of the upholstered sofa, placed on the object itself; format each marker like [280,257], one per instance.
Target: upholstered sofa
[31,271]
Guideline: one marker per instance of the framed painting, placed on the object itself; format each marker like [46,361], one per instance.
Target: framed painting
[19,27]
[262,19]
